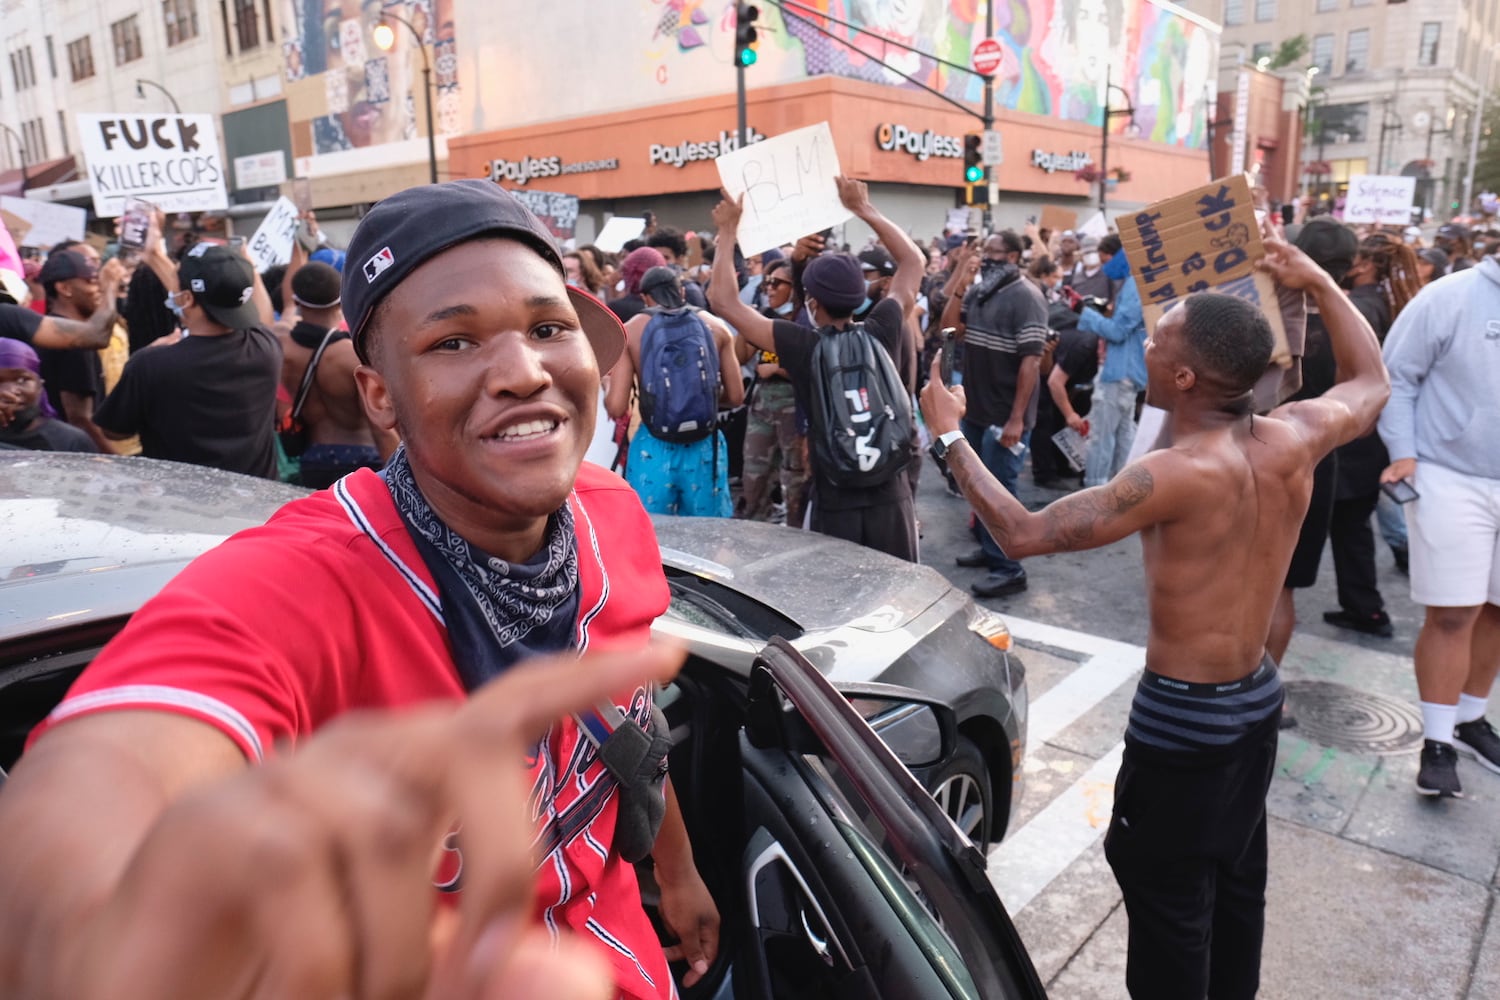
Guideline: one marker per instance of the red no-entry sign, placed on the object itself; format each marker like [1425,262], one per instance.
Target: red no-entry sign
[988,55]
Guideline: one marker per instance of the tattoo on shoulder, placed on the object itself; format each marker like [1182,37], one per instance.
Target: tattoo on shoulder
[1073,520]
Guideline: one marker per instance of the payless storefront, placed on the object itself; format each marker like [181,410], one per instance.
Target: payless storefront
[908,146]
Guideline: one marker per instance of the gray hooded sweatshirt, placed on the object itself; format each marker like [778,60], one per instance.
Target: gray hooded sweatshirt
[1443,354]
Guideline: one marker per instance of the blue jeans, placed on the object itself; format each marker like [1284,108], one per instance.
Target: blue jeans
[1111,430]
[1004,465]
[1391,517]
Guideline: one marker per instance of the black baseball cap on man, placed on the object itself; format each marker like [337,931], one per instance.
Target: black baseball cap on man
[64,265]
[411,227]
[222,282]
[877,260]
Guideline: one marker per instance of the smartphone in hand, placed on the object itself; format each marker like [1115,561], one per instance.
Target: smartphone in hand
[1401,491]
[135,223]
[946,365]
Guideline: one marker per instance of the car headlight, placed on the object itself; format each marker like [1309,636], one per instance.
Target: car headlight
[990,627]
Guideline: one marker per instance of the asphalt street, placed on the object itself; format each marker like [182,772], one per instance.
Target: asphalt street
[1374,891]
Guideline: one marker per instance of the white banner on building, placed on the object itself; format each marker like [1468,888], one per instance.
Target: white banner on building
[788,186]
[272,242]
[50,223]
[172,161]
[1380,199]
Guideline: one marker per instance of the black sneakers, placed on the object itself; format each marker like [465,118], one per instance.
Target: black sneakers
[1439,773]
[1377,624]
[1478,739]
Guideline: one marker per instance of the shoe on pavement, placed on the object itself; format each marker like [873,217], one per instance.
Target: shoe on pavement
[999,585]
[1439,773]
[1478,739]
[1403,562]
[973,559]
[1377,624]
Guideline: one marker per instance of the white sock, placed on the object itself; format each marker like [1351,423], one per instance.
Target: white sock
[1437,721]
[1471,708]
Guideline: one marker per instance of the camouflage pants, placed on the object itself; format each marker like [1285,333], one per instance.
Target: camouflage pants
[773,445]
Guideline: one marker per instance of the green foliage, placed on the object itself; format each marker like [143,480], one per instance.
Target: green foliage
[1290,52]
[1487,166]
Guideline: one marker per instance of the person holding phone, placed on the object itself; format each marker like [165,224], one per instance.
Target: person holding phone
[1441,428]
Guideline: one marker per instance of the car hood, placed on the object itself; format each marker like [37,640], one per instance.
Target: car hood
[816,581]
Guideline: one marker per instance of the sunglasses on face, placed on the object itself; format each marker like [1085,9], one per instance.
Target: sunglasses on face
[776,282]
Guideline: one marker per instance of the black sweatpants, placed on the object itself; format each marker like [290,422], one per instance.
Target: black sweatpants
[1188,846]
[888,527]
[1353,544]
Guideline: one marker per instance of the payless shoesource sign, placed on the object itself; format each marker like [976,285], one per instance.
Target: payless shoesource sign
[172,161]
[919,145]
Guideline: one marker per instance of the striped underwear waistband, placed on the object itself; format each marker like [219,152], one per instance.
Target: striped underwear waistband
[1177,715]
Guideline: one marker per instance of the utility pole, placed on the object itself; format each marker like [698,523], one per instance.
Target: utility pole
[1429,183]
[989,108]
[745,54]
[1484,91]
[1129,109]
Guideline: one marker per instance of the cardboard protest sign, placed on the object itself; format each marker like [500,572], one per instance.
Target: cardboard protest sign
[1380,199]
[558,212]
[618,231]
[172,161]
[48,223]
[1209,239]
[788,184]
[1057,219]
[272,242]
[16,226]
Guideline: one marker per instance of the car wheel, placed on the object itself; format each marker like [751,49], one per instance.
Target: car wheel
[962,790]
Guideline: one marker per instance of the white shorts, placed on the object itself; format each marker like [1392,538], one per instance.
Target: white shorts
[1455,538]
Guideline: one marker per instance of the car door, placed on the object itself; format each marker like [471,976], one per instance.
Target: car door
[855,882]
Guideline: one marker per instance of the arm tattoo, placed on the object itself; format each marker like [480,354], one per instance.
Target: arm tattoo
[1071,521]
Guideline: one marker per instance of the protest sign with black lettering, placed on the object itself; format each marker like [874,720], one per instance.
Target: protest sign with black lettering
[272,242]
[1380,199]
[788,186]
[172,161]
[558,212]
[1205,239]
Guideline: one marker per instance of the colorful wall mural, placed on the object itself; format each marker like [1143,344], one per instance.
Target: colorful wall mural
[373,96]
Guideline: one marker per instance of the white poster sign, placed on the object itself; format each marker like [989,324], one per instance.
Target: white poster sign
[618,231]
[272,242]
[172,161]
[259,170]
[788,184]
[958,221]
[50,223]
[1380,199]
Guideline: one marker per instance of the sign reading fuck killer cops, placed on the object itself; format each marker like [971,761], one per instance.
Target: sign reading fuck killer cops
[172,161]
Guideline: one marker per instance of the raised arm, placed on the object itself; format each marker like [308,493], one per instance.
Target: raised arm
[1140,496]
[93,333]
[723,290]
[910,263]
[1352,406]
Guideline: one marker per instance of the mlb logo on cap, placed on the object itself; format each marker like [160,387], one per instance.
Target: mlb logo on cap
[377,265]
[197,284]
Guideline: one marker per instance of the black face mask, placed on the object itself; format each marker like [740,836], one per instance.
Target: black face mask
[24,418]
[988,267]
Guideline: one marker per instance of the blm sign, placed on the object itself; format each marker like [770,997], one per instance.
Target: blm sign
[172,161]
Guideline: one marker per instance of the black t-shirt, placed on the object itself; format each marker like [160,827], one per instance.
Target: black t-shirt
[18,322]
[1077,353]
[77,371]
[627,306]
[794,346]
[205,400]
[49,435]
[1000,331]
[1362,460]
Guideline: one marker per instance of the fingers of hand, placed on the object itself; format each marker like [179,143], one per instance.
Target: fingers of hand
[533,969]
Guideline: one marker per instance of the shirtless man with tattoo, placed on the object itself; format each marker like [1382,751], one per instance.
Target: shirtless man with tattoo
[1218,513]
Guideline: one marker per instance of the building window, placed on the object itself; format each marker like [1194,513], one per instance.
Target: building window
[51,58]
[126,35]
[1335,124]
[181,19]
[1259,51]
[1322,53]
[22,69]
[34,138]
[81,58]
[62,130]
[1427,46]
[1326,5]
[1234,12]
[1265,10]
[1357,51]
[246,24]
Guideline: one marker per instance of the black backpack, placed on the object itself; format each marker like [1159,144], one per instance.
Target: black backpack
[861,414]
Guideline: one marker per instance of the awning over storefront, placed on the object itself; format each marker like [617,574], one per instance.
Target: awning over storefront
[17,182]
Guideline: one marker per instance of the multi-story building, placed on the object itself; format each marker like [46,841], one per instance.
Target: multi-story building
[1396,89]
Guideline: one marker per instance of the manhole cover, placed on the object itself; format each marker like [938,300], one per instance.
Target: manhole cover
[1350,719]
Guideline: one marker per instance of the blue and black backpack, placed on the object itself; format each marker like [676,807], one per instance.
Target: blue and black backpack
[679,376]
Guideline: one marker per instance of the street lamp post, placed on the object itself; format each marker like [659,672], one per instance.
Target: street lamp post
[1429,183]
[21,149]
[385,39]
[1129,109]
[140,93]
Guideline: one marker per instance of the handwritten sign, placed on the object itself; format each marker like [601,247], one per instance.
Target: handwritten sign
[172,161]
[788,184]
[1380,199]
[558,212]
[1205,239]
[618,231]
[272,242]
[49,223]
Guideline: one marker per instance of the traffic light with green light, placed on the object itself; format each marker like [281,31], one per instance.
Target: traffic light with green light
[973,158]
[745,35]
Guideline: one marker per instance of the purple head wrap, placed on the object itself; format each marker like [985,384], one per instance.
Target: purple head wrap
[17,354]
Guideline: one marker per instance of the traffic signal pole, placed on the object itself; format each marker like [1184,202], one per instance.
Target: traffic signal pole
[739,72]
[989,106]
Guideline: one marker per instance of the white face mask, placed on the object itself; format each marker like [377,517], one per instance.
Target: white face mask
[1091,259]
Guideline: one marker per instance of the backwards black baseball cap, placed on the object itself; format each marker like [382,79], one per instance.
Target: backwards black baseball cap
[222,282]
[411,227]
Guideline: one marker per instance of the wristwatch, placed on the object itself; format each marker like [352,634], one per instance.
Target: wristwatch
[943,443]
